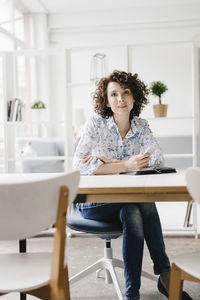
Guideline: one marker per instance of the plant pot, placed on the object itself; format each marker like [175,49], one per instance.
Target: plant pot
[160,110]
[38,117]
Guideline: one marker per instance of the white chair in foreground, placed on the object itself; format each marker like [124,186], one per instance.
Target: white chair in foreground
[26,209]
[186,266]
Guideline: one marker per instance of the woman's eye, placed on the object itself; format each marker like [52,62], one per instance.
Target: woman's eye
[113,94]
[126,92]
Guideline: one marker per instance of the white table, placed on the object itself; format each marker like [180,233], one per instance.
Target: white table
[121,188]
[169,187]
[135,188]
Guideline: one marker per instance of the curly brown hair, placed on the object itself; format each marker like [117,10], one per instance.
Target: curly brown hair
[126,80]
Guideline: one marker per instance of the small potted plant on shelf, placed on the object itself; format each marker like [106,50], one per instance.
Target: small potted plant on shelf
[38,115]
[158,88]
[38,105]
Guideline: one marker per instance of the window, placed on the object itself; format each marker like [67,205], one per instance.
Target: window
[12,26]
[5,42]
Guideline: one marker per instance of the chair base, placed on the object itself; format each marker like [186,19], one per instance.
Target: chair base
[108,263]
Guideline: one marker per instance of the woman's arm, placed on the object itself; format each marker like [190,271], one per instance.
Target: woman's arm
[135,162]
[149,142]
[111,168]
[89,158]
[85,145]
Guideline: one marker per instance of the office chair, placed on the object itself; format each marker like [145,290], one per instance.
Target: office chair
[26,209]
[186,266]
[107,231]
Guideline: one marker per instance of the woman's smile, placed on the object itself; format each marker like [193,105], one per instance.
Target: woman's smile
[122,106]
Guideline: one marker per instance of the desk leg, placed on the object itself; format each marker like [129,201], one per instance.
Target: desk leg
[22,249]
[188,214]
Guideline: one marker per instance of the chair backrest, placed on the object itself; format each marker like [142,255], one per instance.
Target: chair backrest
[26,208]
[193,183]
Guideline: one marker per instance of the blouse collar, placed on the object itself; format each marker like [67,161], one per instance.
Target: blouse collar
[134,130]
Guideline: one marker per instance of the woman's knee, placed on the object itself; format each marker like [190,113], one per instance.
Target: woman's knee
[132,221]
[148,208]
[130,213]
[149,214]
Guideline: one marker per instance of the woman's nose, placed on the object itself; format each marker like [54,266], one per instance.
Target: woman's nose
[120,98]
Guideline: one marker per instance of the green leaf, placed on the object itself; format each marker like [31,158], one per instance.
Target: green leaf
[38,105]
[158,88]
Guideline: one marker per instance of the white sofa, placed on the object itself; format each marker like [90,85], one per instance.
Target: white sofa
[42,147]
[55,147]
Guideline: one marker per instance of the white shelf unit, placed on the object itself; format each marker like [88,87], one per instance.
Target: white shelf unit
[10,89]
[195,129]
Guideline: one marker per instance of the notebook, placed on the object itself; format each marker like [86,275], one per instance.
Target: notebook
[151,170]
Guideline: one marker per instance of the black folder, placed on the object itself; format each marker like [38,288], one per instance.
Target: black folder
[152,170]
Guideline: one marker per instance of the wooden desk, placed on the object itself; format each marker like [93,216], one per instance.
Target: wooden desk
[132,188]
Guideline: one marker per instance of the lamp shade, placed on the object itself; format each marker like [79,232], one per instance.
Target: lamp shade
[98,66]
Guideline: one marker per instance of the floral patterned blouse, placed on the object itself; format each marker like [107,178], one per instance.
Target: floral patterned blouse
[100,137]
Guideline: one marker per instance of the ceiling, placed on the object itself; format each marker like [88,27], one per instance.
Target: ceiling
[65,6]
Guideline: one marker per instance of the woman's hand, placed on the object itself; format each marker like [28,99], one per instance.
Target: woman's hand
[137,162]
[88,159]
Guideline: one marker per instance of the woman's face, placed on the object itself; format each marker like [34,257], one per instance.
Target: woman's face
[120,99]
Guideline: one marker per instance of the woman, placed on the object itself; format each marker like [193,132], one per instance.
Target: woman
[113,141]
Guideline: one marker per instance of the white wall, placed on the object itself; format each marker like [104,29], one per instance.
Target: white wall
[171,64]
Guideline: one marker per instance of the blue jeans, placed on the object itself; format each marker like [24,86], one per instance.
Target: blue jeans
[139,221]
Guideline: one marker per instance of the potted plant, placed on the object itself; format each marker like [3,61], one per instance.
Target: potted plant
[38,108]
[38,105]
[158,88]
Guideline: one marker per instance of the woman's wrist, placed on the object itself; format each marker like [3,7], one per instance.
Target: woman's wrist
[125,166]
[111,168]
[121,166]
[116,161]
